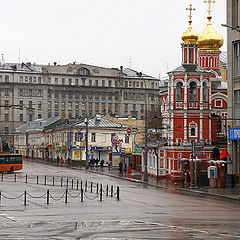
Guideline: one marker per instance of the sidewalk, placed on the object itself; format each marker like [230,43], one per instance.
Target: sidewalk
[231,194]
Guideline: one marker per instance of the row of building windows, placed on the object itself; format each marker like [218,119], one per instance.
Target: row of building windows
[21,117]
[82,82]
[193,92]
[236,55]
[29,79]
[98,83]
[30,92]
[89,95]
[79,137]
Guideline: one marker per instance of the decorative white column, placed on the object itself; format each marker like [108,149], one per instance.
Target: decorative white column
[172,94]
[201,92]
[210,129]
[201,126]
[172,129]
[185,91]
[185,128]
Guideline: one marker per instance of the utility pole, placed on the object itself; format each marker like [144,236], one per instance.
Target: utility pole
[193,175]
[86,162]
[146,131]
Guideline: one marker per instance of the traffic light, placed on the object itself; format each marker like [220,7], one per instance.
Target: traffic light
[12,146]
[216,153]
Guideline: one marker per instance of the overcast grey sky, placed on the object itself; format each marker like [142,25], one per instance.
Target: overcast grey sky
[102,32]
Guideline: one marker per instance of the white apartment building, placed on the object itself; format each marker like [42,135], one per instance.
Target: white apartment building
[30,91]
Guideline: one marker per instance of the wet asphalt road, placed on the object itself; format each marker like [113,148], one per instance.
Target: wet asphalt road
[143,212]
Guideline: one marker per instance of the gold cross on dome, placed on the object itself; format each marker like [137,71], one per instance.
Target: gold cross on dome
[190,9]
[209,7]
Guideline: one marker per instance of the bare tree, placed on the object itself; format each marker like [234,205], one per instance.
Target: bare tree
[155,123]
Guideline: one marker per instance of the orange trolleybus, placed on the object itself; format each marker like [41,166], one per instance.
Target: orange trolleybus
[10,162]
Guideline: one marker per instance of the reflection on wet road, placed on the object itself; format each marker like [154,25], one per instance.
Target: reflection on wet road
[143,212]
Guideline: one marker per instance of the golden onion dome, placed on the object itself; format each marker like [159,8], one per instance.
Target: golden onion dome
[190,36]
[209,40]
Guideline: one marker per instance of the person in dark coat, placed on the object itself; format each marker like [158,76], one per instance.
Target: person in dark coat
[188,178]
[183,179]
[120,167]
[58,159]
[101,163]
[69,162]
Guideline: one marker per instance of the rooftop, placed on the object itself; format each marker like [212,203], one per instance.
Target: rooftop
[36,125]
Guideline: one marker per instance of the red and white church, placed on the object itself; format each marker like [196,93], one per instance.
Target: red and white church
[194,104]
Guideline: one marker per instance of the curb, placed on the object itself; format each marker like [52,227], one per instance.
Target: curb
[196,192]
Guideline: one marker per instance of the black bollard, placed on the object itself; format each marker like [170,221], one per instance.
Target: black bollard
[86,186]
[101,193]
[47,197]
[118,192]
[72,183]
[37,179]
[77,184]
[97,188]
[66,195]
[25,198]
[91,187]
[45,180]
[26,179]
[61,182]
[81,195]
[112,191]
[15,177]
[107,190]
[53,181]
[2,177]
[67,182]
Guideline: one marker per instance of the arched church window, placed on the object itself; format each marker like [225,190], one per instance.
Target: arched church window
[83,72]
[205,92]
[192,130]
[179,92]
[193,92]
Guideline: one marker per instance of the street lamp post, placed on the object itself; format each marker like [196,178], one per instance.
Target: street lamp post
[193,175]
[145,171]
[86,162]
[146,132]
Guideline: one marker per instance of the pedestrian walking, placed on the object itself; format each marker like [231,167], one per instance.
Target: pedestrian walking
[61,161]
[183,179]
[58,159]
[69,162]
[188,178]
[109,165]
[101,163]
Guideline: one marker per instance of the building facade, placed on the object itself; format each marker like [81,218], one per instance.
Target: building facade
[30,91]
[233,34]
[194,105]
[53,137]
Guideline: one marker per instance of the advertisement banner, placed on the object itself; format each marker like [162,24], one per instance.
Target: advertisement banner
[115,160]
[77,155]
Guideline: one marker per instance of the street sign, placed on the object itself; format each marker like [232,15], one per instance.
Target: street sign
[198,146]
[129,130]
[123,151]
[234,133]
[198,149]
[199,154]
